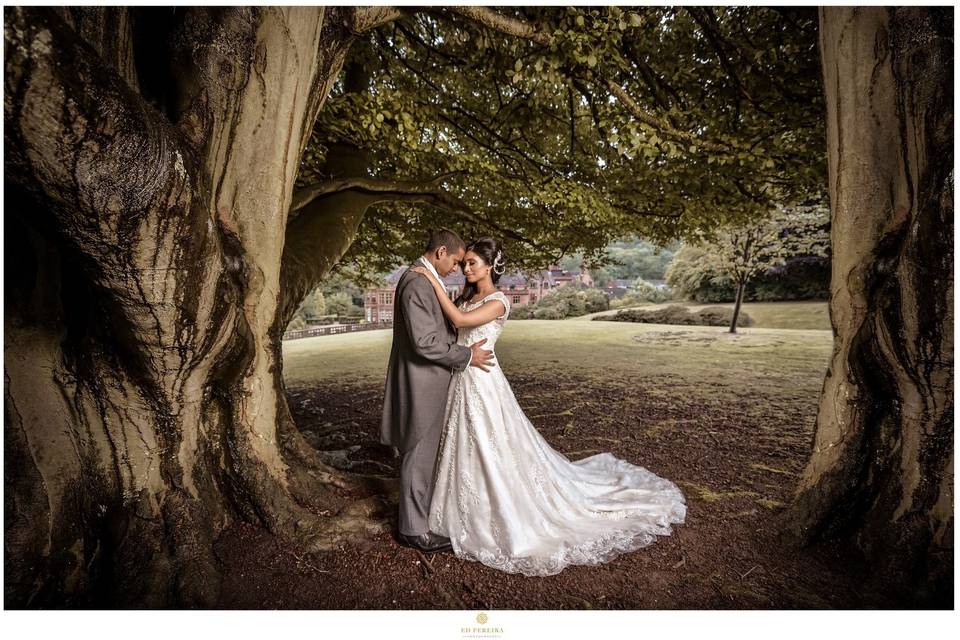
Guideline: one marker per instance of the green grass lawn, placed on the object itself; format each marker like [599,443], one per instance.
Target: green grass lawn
[707,357]
[767,315]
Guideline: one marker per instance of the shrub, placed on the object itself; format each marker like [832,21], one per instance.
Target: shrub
[640,293]
[568,302]
[296,324]
[557,312]
[595,300]
[524,312]
[721,317]
[677,314]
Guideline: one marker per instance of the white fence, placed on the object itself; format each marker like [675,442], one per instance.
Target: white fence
[335,329]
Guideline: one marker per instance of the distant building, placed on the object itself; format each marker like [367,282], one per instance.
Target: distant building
[378,305]
[520,290]
[378,302]
[557,277]
[617,288]
[517,289]
[659,285]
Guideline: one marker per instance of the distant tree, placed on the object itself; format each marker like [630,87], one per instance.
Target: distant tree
[314,305]
[739,253]
[595,300]
[625,260]
[572,263]
[643,260]
[341,305]
[800,278]
[340,282]
[296,324]
[747,250]
[691,275]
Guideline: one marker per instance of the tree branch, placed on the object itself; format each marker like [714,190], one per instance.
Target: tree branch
[708,23]
[453,204]
[521,29]
[403,190]
[654,80]
[502,23]
[660,125]
[649,213]
[413,37]
[306,195]
[367,18]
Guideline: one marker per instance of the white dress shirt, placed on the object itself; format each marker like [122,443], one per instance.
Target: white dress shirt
[426,263]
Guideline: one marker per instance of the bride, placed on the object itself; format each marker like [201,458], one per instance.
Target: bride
[502,494]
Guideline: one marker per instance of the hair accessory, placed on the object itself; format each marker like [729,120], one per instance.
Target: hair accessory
[498,262]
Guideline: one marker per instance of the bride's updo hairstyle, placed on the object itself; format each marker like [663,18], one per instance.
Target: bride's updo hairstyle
[490,252]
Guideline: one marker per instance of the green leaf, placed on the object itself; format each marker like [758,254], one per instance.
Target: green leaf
[613,158]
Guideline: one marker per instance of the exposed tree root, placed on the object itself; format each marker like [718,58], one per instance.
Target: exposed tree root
[197,572]
[356,520]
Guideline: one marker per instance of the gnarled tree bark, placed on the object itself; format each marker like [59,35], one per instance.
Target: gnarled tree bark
[881,473]
[148,193]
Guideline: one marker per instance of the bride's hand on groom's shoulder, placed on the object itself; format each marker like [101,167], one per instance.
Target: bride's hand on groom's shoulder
[421,270]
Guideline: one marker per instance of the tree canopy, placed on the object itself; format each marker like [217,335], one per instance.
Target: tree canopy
[594,124]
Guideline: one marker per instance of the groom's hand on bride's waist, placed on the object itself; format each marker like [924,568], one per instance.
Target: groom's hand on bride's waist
[481,358]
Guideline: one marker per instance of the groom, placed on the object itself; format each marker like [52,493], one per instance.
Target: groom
[423,358]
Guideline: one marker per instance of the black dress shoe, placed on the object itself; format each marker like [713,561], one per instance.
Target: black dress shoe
[428,542]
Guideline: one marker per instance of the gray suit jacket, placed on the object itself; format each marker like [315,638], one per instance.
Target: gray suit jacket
[423,357]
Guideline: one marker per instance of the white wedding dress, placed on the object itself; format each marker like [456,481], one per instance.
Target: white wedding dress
[507,499]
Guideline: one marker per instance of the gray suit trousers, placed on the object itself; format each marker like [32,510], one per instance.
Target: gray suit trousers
[416,483]
[423,357]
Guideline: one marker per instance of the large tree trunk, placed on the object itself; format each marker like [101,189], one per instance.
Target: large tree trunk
[881,473]
[148,181]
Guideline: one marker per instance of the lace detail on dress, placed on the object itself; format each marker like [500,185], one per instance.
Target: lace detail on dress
[491,330]
[507,499]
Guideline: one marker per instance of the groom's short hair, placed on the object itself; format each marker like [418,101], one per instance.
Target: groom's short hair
[445,238]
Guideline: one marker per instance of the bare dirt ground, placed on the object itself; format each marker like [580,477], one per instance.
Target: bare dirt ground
[732,444]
